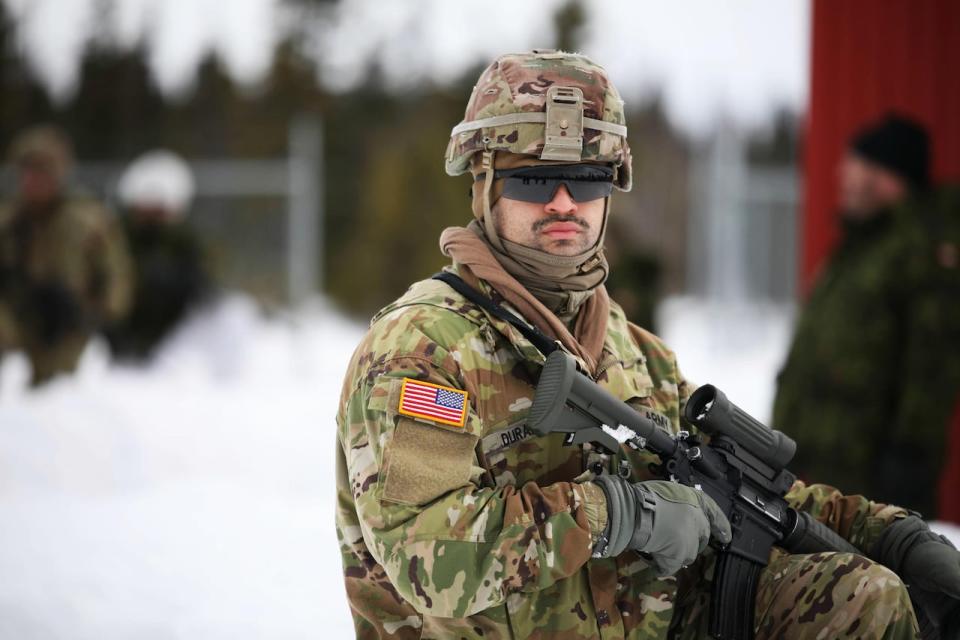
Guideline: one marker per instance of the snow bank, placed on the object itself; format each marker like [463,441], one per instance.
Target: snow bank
[194,498]
[190,499]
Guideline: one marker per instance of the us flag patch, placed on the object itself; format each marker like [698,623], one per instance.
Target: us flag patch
[433,402]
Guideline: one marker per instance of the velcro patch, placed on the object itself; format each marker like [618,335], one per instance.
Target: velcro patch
[422,462]
[433,402]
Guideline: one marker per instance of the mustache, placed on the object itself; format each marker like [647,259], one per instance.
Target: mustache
[542,222]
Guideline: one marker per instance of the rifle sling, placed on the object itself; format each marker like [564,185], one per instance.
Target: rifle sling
[544,345]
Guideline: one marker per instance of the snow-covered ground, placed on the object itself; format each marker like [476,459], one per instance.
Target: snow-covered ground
[193,498]
[190,499]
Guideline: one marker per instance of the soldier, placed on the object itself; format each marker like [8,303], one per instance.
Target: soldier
[455,521]
[871,378]
[64,268]
[156,192]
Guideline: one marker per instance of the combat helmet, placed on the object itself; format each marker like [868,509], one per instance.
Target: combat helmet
[160,180]
[553,105]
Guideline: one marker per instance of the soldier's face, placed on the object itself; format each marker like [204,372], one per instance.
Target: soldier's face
[563,226]
[36,183]
[866,188]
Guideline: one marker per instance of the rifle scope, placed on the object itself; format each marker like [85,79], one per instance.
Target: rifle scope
[709,410]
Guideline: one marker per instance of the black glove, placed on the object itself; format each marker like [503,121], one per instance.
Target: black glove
[930,566]
[671,522]
[54,310]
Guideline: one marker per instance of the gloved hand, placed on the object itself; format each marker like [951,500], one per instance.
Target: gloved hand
[55,311]
[929,565]
[669,521]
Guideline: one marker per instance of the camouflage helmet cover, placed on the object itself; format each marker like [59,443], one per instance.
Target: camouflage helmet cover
[550,104]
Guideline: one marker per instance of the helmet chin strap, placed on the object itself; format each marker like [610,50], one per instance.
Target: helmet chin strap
[487,163]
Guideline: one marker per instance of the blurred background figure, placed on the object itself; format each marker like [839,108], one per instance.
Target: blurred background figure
[870,380]
[64,267]
[635,282]
[156,192]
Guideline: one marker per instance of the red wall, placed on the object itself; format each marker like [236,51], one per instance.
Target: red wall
[869,56]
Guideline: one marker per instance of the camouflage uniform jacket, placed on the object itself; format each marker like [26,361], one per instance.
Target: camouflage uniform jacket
[63,273]
[479,532]
[872,375]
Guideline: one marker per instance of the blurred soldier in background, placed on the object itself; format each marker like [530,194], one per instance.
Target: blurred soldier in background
[635,283]
[64,266]
[871,378]
[156,192]
[455,520]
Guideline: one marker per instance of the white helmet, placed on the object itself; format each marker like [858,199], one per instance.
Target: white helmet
[158,179]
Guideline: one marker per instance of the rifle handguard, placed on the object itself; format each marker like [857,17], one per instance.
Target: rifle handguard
[812,536]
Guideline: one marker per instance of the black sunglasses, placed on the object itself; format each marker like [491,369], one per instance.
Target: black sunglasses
[539,184]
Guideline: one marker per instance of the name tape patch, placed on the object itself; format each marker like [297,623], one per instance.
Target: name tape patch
[433,402]
[494,443]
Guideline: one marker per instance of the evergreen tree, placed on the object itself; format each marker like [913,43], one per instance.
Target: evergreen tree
[24,100]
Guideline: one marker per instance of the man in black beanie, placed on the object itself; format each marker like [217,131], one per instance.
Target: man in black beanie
[885,163]
[872,374]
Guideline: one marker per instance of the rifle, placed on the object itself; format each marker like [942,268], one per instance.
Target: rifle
[742,467]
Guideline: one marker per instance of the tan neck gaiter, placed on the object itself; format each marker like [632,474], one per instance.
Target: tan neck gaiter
[584,336]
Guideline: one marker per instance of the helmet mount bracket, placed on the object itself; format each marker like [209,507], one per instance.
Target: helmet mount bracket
[563,139]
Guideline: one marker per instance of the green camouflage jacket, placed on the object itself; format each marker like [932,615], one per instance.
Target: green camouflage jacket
[872,375]
[479,531]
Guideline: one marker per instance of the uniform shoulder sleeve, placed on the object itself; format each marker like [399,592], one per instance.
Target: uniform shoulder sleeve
[450,543]
[109,258]
[664,370]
